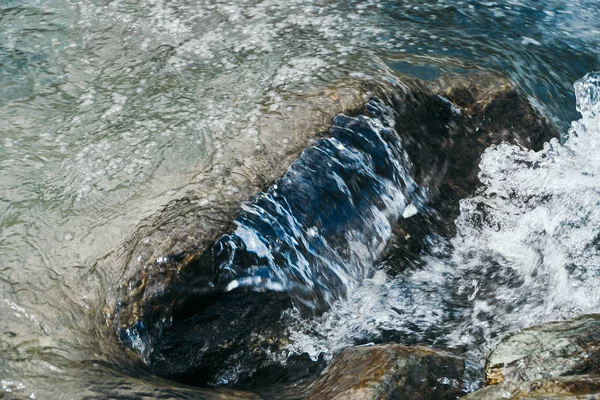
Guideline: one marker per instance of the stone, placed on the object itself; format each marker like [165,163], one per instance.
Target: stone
[558,360]
[172,307]
[390,371]
[240,332]
[577,387]
[166,262]
[546,351]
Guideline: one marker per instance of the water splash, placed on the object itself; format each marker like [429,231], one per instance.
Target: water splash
[587,92]
[526,251]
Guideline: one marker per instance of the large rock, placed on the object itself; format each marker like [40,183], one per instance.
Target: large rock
[390,371]
[234,340]
[548,350]
[166,263]
[171,274]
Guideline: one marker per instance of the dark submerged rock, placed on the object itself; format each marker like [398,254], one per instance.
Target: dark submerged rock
[241,328]
[168,262]
[390,371]
[326,222]
[447,150]
[444,130]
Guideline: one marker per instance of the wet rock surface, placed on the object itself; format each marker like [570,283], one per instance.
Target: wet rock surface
[562,388]
[549,350]
[241,328]
[554,360]
[168,260]
[172,307]
[390,371]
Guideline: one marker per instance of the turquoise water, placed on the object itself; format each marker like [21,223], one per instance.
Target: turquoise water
[108,110]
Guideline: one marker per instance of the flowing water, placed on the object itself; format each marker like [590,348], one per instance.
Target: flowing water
[527,251]
[323,225]
[108,110]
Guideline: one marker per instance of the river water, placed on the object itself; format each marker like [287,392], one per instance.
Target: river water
[109,109]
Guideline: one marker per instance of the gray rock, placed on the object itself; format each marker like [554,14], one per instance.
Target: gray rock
[548,350]
[390,371]
[556,360]
[561,388]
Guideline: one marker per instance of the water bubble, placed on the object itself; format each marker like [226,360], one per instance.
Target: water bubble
[587,93]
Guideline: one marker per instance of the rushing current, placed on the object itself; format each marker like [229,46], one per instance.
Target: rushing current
[110,109]
[526,251]
[321,227]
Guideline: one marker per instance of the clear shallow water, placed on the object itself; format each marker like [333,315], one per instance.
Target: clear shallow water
[108,110]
